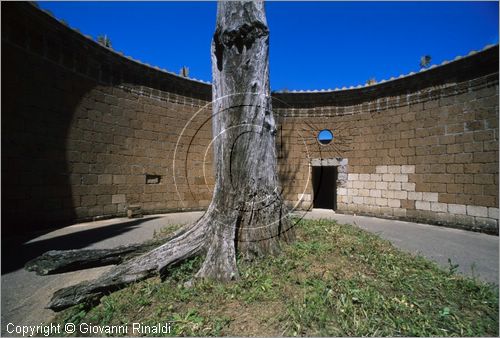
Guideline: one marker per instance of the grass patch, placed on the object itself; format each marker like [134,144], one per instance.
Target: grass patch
[335,280]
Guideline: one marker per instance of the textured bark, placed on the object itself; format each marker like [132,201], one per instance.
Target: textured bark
[250,213]
[247,215]
[58,261]
[189,243]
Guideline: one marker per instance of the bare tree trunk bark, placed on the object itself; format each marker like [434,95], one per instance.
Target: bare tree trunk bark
[250,215]
[247,215]
[189,242]
[58,261]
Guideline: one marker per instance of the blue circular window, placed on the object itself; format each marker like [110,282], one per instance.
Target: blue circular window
[325,136]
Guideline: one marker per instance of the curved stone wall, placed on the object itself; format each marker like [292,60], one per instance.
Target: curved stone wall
[429,155]
[87,133]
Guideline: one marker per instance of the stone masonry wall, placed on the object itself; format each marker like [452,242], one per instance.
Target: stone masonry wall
[429,156]
[87,132]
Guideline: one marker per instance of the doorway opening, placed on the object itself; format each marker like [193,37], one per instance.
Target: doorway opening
[324,179]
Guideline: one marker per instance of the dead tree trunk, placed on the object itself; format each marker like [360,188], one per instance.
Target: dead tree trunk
[247,214]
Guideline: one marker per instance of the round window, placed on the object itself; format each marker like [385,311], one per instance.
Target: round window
[325,136]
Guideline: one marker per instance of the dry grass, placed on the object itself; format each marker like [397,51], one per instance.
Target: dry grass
[335,280]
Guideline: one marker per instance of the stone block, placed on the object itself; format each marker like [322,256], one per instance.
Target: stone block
[381,169]
[477,211]
[464,219]
[394,169]
[340,206]
[357,184]
[422,205]
[395,186]
[386,211]
[105,179]
[381,202]
[364,192]
[408,169]
[484,179]
[375,177]
[394,203]
[119,179]
[369,185]
[401,178]
[402,195]
[375,193]
[381,185]
[88,200]
[398,212]
[353,192]
[444,217]
[341,191]
[388,177]
[118,199]
[374,209]
[407,204]
[457,209]
[439,207]
[103,199]
[486,223]
[408,186]
[96,210]
[109,209]
[364,177]
[464,178]
[388,193]
[493,213]
[357,200]
[454,188]
[430,196]
[369,200]
[89,179]
[341,177]
[353,177]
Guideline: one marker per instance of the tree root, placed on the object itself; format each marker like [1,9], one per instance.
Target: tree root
[245,215]
[58,261]
[209,235]
[188,243]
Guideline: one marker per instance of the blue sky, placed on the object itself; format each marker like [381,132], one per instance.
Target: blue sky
[313,45]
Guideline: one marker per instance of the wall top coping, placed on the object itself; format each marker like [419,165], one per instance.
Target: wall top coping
[114,51]
[474,65]
[446,62]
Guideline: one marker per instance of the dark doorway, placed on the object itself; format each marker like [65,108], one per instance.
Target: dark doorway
[325,187]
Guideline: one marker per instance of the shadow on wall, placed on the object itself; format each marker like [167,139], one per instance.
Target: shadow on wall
[55,89]
[39,104]
[41,101]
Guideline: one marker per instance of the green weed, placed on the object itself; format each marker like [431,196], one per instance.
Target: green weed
[335,280]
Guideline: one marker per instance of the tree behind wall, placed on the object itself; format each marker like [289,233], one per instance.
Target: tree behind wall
[104,40]
[425,61]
